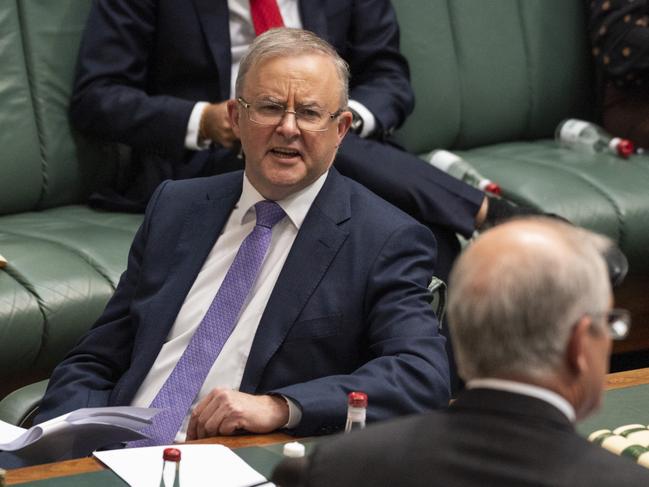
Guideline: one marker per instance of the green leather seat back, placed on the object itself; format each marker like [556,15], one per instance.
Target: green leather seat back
[491,71]
[64,259]
[46,164]
[20,160]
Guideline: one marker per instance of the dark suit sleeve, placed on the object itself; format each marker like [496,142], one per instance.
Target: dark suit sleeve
[110,97]
[87,376]
[380,78]
[407,370]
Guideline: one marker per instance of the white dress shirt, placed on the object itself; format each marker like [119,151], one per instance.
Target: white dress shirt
[541,393]
[242,33]
[228,368]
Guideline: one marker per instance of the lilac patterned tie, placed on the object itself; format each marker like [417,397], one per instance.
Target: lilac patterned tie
[185,381]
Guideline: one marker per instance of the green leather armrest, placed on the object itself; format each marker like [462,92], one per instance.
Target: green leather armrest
[20,407]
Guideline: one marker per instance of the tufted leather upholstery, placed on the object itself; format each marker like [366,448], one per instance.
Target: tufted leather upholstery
[64,259]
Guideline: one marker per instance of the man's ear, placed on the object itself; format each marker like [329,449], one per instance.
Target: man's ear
[576,352]
[344,122]
[233,114]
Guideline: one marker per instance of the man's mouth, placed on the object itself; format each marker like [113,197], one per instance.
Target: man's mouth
[285,153]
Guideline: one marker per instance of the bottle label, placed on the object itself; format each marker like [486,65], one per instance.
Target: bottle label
[572,129]
[356,414]
[443,159]
[612,145]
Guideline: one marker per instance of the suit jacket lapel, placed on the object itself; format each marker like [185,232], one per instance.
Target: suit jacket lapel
[312,13]
[201,228]
[215,21]
[315,247]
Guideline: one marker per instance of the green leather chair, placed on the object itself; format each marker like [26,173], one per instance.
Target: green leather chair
[64,259]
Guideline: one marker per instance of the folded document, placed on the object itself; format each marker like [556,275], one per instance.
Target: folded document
[76,434]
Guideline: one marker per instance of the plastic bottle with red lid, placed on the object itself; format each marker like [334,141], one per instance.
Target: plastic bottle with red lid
[170,468]
[356,411]
[590,138]
[459,168]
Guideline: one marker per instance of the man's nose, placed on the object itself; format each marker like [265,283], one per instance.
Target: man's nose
[288,124]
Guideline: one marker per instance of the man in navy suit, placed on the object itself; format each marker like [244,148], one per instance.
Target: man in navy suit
[144,67]
[340,302]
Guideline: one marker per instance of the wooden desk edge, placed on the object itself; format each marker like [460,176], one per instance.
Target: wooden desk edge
[629,378]
[619,380]
[91,464]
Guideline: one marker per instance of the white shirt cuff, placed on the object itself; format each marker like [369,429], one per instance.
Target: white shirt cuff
[369,122]
[193,126]
[294,413]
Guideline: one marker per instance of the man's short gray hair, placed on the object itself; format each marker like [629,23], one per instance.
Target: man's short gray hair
[292,42]
[514,315]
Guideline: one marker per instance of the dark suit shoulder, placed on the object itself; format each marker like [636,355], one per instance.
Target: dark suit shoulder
[204,187]
[384,454]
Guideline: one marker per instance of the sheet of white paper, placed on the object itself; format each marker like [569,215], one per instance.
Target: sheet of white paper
[9,432]
[200,465]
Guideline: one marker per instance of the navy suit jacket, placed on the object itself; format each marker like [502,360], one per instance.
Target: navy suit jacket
[486,438]
[350,309]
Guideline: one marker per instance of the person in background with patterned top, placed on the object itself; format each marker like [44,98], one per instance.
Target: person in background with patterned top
[619,31]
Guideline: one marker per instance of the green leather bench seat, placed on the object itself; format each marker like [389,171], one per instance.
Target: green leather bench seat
[64,264]
[604,193]
[492,81]
[64,259]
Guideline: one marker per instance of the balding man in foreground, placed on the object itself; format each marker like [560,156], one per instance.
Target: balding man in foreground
[531,319]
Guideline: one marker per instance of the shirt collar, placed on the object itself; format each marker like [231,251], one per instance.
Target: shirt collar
[541,393]
[296,206]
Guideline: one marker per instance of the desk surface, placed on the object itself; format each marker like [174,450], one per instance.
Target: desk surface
[90,464]
[71,467]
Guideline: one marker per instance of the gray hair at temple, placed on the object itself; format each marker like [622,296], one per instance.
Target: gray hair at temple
[292,42]
[513,303]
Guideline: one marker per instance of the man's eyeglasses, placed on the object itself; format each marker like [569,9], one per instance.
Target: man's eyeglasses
[307,118]
[618,322]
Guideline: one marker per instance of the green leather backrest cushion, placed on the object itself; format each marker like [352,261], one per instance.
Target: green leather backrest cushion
[20,161]
[46,163]
[491,71]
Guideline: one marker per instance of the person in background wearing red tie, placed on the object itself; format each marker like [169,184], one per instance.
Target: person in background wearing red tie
[156,76]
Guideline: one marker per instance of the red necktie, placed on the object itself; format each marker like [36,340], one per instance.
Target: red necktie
[265,15]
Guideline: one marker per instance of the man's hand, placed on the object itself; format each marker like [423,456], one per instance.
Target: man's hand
[215,125]
[223,412]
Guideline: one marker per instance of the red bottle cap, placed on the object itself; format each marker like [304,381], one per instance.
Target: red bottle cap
[493,188]
[357,399]
[625,148]
[171,455]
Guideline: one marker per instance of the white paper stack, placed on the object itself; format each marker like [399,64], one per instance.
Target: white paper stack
[200,466]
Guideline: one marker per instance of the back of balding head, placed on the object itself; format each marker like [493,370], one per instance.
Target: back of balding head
[516,291]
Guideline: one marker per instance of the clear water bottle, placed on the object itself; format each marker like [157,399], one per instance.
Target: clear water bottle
[356,411]
[170,468]
[590,138]
[461,169]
